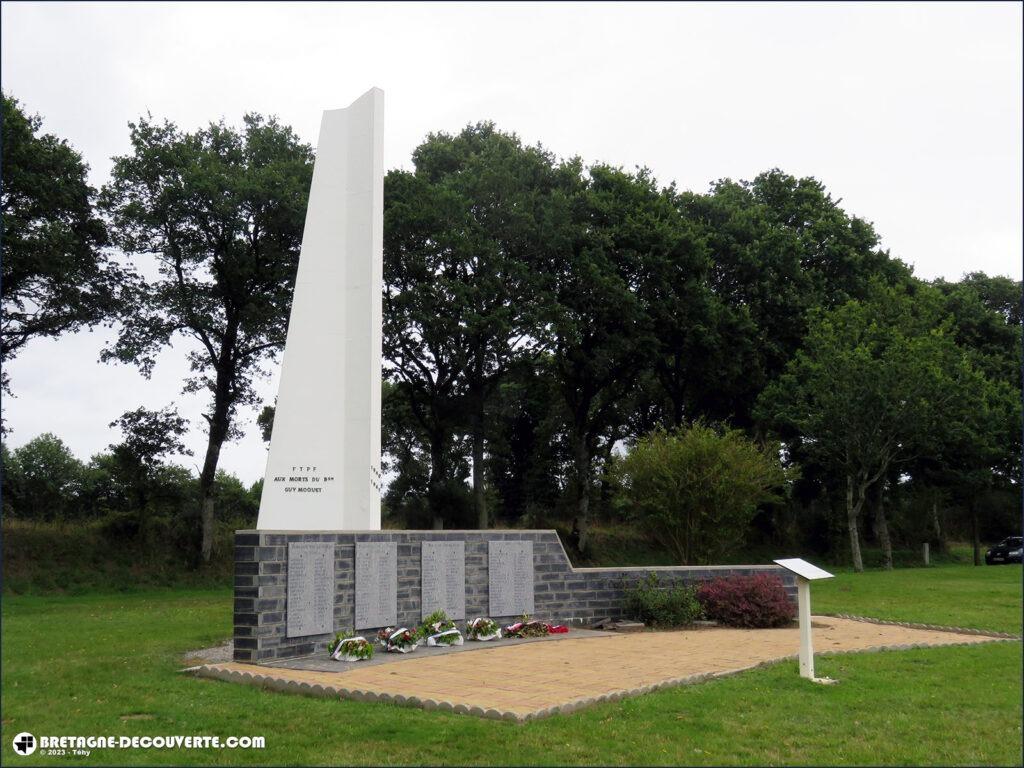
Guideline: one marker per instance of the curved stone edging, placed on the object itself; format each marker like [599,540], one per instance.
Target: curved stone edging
[932,627]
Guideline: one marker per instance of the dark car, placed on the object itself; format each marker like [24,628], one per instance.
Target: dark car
[1006,551]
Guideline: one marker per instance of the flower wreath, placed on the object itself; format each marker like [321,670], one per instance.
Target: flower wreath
[346,647]
[399,640]
[483,628]
[438,629]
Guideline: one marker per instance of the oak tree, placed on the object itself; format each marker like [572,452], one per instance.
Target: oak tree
[220,211]
[56,275]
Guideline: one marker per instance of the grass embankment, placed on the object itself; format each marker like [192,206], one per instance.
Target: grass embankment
[107,664]
[49,558]
[114,555]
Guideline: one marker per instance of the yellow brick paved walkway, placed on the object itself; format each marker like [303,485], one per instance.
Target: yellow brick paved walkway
[537,679]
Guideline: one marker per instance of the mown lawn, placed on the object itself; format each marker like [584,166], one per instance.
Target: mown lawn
[107,664]
[980,597]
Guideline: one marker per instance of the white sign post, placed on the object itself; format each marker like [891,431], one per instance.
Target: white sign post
[805,574]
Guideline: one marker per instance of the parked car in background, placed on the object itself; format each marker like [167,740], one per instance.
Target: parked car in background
[1006,551]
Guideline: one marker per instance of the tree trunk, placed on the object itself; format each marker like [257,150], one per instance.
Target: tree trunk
[605,494]
[975,535]
[940,537]
[479,500]
[218,433]
[882,528]
[438,475]
[220,424]
[852,511]
[581,466]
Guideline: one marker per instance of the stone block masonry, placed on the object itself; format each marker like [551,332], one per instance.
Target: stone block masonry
[562,593]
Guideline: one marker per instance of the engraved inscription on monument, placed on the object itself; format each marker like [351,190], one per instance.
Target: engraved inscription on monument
[310,605]
[444,578]
[376,584]
[303,479]
[510,577]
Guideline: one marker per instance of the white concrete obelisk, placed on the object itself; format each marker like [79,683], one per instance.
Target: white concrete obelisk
[323,471]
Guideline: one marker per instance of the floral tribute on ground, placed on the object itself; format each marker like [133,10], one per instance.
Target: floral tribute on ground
[533,628]
[483,628]
[400,640]
[438,629]
[348,647]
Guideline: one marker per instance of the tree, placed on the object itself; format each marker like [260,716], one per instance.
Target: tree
[998,293]
[148,437]
[698,488]
[597,316]
[221,211]
[876,384]
[985,450]
[265,421]
[43,479]
[527,457]
[461,295]
[55,275]
[973,448]
[986,322]
[779,246]
[236,502]
[424,337]
[408,493]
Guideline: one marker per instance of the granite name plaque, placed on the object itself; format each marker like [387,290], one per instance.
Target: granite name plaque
[376,584]
[310,605]
[510,577]
[443,578]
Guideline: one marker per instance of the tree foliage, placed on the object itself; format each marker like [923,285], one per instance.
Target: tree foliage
[42,479]
[877,384]
[697,488]
[623,235]
[221,211]
[460,293]
[56,276]
[539,314]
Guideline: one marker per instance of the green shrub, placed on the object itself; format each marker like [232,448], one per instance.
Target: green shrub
[697,489]
[747,601]
[662,606]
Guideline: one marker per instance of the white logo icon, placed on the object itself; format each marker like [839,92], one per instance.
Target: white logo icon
[24,744]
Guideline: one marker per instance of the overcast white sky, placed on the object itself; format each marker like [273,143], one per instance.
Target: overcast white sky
[911,113]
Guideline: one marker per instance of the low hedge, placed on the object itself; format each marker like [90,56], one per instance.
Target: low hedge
[747,601]
[659,606]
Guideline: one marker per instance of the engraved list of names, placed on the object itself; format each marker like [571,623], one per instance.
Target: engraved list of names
[376,584]
[310,603]
[444,578]
[510,577]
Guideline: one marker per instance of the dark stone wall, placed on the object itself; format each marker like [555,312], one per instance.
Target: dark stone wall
[562,593]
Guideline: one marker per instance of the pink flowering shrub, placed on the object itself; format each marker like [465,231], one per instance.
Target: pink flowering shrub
[747,601]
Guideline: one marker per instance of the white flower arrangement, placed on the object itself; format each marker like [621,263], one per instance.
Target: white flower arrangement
[483,629]
[399,640]
[347,648]
[447,637]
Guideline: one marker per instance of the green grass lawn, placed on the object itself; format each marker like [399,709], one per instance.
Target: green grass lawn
[952,595]
[107,664]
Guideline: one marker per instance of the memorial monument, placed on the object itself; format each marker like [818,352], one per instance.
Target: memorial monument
[318,561]
[323,471]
